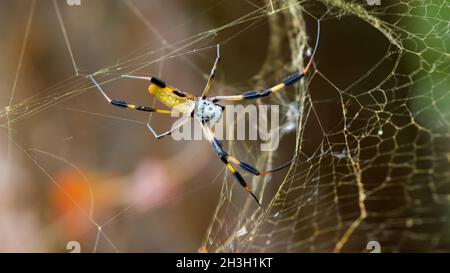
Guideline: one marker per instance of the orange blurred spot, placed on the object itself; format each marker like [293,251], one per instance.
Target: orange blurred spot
[203,249]
[71,202]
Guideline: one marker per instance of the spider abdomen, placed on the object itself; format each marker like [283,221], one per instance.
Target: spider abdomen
[171,97]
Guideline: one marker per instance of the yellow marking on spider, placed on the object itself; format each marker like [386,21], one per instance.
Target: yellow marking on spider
[163,111]
[277,87]
[230,167]
[234,160]
[237,97]
[132,106]
[167,96]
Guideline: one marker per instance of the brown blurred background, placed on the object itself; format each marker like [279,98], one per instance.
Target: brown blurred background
[80,162]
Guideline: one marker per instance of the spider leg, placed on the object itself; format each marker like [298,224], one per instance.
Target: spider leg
[223,156]
[228,159]
[212,74]
[290,80]
[249,168]
[125,104]
[217,146]
[239,178]
[251,95]
[159,136]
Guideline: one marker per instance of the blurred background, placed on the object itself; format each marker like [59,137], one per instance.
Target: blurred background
[74,168]
[81,163]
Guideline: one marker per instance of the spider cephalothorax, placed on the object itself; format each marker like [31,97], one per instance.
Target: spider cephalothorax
[208,111]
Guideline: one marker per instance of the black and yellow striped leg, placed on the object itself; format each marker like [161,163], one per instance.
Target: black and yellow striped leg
[212,74]
[228,159]
[125,104]
[217,146]
[239,178]
[223,156]
[247,167]
[292,79]
[252,95]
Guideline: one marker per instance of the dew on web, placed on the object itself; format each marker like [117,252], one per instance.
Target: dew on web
[241,232]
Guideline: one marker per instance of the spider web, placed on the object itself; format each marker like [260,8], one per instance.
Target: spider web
[377,170]
[370,124]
